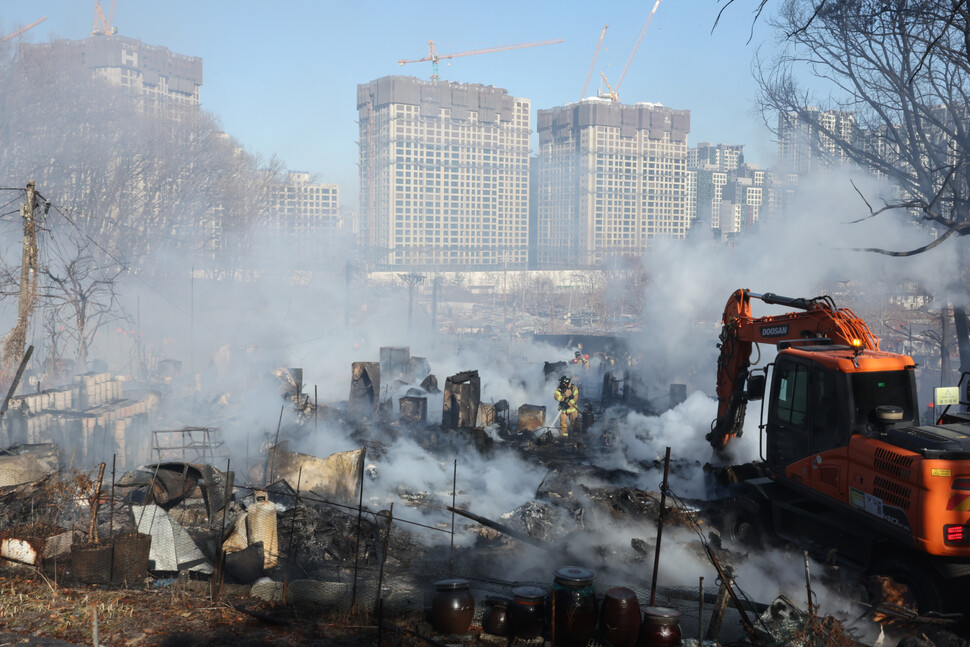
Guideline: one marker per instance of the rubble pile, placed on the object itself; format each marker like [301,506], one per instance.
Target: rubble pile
[287,529]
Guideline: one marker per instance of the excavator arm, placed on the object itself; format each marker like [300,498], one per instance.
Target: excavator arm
[815,321]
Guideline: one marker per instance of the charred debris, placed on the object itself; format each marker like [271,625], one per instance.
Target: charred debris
[297,531]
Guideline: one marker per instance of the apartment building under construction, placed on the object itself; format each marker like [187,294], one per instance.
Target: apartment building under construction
[444,174]
[611,178]
[166,82]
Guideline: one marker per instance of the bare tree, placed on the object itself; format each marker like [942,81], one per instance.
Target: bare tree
[412,280]
[135,179]
[82,295]
[901,69]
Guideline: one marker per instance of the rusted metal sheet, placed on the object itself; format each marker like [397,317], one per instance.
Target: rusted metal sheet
[172,548]
[335,478]
[28,463]
[531,417]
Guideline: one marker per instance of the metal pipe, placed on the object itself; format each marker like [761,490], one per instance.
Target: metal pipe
[700,612]
[111,510]
[808,584]
[514,534]
[220,553]
[451,552]
[660,527]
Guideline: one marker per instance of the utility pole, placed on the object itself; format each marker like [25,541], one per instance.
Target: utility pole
[14,348]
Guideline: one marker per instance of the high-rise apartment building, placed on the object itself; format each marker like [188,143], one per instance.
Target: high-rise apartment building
[710,193]
[165,81]
[303,214]
[745,190]
[722,157]
[611,178]
[444,174]
[808,143]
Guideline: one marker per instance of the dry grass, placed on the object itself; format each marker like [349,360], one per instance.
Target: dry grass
[174,615]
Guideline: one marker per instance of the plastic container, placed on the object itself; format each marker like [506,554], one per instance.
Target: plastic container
[261,526]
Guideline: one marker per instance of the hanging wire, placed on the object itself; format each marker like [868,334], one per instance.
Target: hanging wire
[695,526]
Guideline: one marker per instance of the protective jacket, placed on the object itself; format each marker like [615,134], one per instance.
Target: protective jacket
[568,398]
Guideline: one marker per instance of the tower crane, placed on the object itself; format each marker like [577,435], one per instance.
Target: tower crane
[592,65]
[643,32]
[102,24]
[612,93]
[23,29]
[434,56]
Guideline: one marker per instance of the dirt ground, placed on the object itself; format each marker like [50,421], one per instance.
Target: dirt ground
[35,611]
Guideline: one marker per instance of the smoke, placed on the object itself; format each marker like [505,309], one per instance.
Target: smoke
[234,322]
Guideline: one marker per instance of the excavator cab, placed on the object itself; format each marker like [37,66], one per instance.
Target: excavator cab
[820,397]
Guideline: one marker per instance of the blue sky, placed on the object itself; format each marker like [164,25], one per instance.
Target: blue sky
[282,76]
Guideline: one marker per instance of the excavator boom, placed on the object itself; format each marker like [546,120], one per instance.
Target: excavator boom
[815,321]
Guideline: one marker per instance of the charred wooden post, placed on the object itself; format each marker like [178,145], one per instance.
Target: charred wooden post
[726,579]
[365,389]
[660,527]
[360,513]
[93,529]
[380,578]
[720,606]
[461,399]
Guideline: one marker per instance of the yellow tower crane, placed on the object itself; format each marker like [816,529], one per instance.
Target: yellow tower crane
[643,32]
[23,29]
[102,24]
[592,65]
[434,56]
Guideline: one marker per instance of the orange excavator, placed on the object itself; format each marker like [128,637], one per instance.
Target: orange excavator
[845,464]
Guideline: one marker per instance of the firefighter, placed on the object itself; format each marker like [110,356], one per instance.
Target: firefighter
[567,395]
[581,360]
